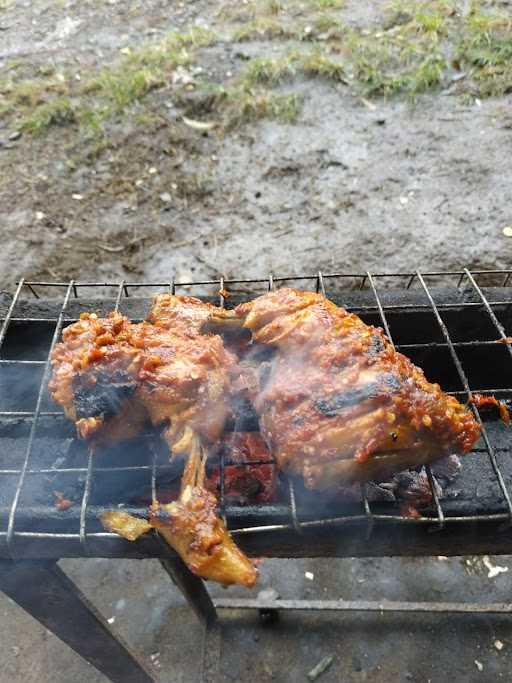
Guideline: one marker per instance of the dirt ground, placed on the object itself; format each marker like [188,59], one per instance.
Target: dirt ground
[357,181]
[352,184]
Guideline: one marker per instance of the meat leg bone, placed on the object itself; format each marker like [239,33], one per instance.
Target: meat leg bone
[191,526]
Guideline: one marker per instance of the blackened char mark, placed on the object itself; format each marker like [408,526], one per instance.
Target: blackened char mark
[376,347]
[103,397]
[386,385]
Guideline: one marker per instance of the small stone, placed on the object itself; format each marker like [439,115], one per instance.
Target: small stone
[15,135]
[309,575]
[403,201]
[507,231]
[78,197]
[152,170]
[111,620]
[499,645]
[479,665]
[40,215]
[268,594]
[166,198]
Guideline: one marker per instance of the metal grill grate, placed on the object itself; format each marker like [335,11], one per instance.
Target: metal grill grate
[76,532]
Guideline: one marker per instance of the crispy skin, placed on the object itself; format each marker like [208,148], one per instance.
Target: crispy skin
[338,403]
[185,380]
[94,379]
[111,376]
[191,526]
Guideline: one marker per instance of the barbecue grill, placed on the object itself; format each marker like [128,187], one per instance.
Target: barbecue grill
[451,324]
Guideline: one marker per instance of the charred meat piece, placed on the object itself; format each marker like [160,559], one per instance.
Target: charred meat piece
[191,526]
[95,379]
[112,376]
[338,404]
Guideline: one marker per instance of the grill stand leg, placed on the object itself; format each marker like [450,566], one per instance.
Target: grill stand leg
[193,589]
[46,593]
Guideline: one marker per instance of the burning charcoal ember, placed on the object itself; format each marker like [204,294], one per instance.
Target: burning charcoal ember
[408,510]
[244,485]
[414,487]
[62,503]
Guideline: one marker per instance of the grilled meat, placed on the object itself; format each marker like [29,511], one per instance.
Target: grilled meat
[191,526]
[337,403]
[112,376]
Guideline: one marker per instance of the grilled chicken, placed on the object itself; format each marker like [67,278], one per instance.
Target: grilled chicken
[337,403]
[191,526]
[112,377]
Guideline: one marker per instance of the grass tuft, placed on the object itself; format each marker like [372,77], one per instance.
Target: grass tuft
[58,112]
[486,49]
[263,28]
[318,63]
[267,70]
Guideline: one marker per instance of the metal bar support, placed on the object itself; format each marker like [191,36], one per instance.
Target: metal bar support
[47,594]
[367,606]
[193,589]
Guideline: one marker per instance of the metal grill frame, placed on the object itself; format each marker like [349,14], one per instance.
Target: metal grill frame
[318,281]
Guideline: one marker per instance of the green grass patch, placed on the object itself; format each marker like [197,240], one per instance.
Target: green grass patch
[325,4]
[58,112]
[318,63]
[486,50]
[43,102]
[314,62]
[240,104]
[263,28]
[265,70]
